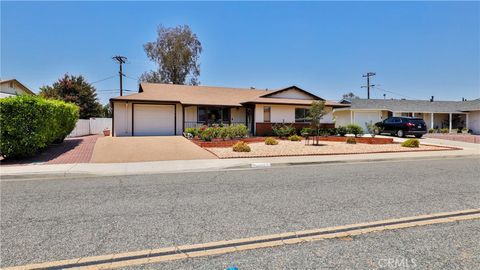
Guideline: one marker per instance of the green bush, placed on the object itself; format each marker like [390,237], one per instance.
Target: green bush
[342,131]
[241,147]
[306,131]
[31,123]
[355,130]
[351,140]
[414,143]
[432,130]
[283,130]
[207,134]
[271,141]
[444,130]
[295,138]
[193,130]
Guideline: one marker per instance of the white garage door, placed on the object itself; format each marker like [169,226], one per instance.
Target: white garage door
[153,120]
[361,118]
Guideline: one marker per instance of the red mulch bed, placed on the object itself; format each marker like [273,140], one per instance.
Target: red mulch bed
[229,143]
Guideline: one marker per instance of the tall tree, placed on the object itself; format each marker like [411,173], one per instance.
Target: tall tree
[349,96]
[176,53]
[77,90]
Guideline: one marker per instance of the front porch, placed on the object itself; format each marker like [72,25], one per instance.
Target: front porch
[197,116]
[452,121]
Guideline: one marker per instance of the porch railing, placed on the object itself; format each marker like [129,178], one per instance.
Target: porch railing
[191,124]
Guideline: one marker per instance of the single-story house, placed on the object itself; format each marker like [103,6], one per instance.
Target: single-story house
[168,109]
[13,87]
[436,114]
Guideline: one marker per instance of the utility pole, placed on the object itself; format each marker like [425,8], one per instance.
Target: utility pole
[120,60]
[368,75]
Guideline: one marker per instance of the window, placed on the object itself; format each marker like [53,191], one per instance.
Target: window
[266,114]
[213,115]
[202,114]
[301,115]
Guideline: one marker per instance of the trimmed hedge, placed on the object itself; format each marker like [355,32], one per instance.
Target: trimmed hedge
[30,123]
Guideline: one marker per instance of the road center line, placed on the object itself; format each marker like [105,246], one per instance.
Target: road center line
[228,246]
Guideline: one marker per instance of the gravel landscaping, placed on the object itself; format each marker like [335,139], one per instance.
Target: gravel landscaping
[289,148]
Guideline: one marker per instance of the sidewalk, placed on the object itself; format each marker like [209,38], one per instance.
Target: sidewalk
[155,167]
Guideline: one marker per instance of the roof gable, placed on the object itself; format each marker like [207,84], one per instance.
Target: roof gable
[292,92]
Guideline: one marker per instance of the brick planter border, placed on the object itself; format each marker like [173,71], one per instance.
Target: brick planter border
[367,140]
[226,143]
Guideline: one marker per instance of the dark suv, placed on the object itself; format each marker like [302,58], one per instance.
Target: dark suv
[402,126]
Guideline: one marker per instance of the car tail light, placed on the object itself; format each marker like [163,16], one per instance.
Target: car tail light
[410,124]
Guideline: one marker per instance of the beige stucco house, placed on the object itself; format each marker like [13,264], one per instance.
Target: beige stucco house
[13,87]
[168,109]
[436,114]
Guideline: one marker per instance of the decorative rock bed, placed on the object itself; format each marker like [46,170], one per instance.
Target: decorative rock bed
[288,148]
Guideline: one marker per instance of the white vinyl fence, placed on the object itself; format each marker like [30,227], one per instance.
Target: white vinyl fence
[91,126]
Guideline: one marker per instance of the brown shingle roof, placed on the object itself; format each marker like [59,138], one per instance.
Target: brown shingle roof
[207,95]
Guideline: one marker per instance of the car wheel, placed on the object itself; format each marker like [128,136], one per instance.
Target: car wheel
[418,136]
[400,133]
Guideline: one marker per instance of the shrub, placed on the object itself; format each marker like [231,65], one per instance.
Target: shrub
[372,128]
[295,138]
[355,130]
[239,131]
[414,143]
[306,131]
[351,140]
[332,131]
[241,147]
[271,141]
[208,134]
[444,130]
[342,131]
[283,130]
[432,130]
[31,123]
[194,131]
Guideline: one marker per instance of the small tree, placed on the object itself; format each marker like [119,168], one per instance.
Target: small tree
[315,115]
[106,111]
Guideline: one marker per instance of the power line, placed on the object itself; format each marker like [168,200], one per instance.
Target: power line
[395,93]
[110,77]
[128,77]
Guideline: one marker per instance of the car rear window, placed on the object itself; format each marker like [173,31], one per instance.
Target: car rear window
[417,121]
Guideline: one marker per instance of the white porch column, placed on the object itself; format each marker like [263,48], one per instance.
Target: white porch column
[351,117]
[431,120]
[450,123]
[466,120]
[413,114]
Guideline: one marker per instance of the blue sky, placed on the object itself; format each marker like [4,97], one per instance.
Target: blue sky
[417,49]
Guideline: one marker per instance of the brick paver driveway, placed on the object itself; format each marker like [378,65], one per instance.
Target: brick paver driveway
[72,150]
[139,149]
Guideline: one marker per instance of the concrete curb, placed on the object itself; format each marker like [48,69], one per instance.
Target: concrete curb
[242,164]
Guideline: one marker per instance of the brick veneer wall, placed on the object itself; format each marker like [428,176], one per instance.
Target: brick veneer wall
[265,129]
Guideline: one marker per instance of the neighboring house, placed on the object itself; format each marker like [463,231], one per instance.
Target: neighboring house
[168,109]
[13,87]
[436,114]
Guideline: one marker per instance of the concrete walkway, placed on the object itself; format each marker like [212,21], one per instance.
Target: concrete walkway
[140,149]
[133,168]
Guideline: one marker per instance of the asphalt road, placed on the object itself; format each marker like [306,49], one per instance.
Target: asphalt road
[45,220]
